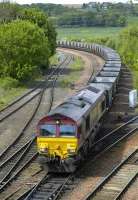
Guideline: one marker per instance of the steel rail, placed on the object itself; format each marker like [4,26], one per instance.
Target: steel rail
[17,172]
[15,154]
[14,166]
[109,176]
[24,95]
[126,187]
[27,124]
[32,97]
[95,157]
[5,180]
[57,184]
[115,130]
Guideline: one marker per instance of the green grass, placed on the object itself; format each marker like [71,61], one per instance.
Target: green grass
[92,33]
[54,60]
[132,20]
[9,90]
[135,79]
[76,68]
[87,33]
[77,65]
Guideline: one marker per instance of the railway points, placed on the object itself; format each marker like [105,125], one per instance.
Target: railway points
[106,143]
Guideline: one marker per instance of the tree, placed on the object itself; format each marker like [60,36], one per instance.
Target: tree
[128,46]
[38,17]
[9,12]
[24,49]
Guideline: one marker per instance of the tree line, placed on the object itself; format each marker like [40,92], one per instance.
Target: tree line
[89,19]
[94,15]
[28,40]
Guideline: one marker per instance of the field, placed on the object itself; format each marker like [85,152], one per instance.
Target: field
[91,33]
[88,33]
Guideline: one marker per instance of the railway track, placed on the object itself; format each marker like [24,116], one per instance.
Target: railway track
[117,182]
[112,138]
[22,150]
[21,134]
[29,96]
[99,147]
[50,187]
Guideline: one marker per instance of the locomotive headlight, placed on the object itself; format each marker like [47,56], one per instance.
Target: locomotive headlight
[71,151]
[44,150]
[71,148]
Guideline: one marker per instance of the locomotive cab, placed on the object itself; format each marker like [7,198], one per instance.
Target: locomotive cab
[57,138]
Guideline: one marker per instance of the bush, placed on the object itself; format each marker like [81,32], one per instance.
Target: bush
[23,50]
[77,65]
[9,82]
[128,46]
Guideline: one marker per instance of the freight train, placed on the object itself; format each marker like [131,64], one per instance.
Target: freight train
[66,134]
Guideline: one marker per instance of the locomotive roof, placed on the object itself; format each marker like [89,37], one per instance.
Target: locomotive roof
[77,106]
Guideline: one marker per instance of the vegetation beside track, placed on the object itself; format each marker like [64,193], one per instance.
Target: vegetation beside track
[125,41]
[54,60]
[11,88]
[28,40]
[75,70]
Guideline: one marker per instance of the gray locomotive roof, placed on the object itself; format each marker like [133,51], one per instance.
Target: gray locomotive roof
[77,106]
[111,69]
[102,86]
[110,74]
[105,79]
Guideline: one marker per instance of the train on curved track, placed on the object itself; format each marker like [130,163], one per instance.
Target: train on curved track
[66,134]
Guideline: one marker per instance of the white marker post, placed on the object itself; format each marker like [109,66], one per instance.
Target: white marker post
[132,98]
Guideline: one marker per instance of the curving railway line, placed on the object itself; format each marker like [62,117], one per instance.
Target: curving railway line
[30,95]
[53,186]
[22,150]
[21,136]
[47,188]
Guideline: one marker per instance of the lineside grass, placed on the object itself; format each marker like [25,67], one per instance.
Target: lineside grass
[54,60]
[135,79]
[9,90]
[76,69]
